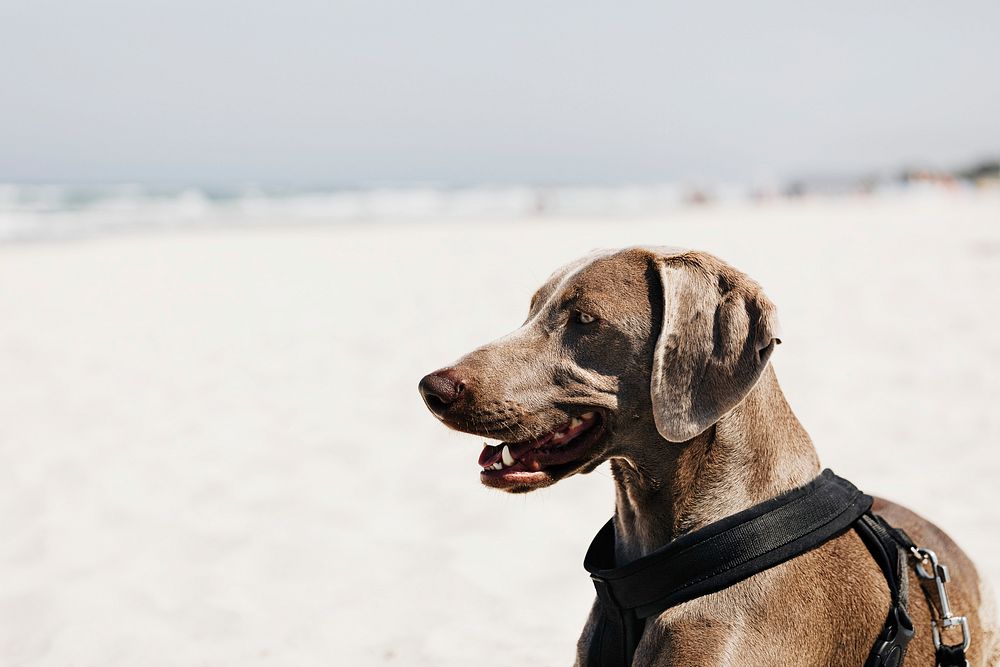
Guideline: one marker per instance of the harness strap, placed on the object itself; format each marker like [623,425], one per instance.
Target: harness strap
[902,551]
[711,559]
[889,548]
[951,656]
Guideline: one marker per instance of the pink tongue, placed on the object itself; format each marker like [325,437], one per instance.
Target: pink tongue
[492,453]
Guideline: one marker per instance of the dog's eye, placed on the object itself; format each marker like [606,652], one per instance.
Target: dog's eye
[585,318]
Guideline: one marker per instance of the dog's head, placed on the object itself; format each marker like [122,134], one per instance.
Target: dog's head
[618,347]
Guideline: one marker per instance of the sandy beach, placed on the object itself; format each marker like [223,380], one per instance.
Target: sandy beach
[214,452]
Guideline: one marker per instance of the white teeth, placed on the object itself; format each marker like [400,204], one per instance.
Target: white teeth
[587,415]
[574,422]
[497,466]
[559,435]
[508,460]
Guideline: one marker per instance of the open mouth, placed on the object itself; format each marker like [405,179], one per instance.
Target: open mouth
[540,462]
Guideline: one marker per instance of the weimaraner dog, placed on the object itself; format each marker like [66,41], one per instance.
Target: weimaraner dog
[656,360]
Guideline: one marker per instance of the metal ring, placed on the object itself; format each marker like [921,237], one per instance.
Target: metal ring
[924,555]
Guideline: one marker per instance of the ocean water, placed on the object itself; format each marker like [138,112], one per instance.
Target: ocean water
[38,212]
[54,212]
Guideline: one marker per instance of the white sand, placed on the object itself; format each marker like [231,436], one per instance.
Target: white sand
[214,452]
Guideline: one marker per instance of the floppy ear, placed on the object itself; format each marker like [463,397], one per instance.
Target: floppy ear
[718,331]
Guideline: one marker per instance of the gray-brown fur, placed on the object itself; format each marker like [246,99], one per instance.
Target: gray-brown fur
[696,428]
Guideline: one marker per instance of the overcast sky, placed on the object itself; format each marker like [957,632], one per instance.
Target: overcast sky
[552,91]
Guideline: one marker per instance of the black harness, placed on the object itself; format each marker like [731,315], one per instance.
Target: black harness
[728,551]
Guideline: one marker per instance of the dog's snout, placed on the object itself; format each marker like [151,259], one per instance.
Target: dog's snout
[440,389]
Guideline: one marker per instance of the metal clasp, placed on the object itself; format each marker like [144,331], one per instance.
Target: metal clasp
[939,573]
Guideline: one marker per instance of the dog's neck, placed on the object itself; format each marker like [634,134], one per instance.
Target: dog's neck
[755,452]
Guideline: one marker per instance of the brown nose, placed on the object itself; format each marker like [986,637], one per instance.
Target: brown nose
[440,389]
